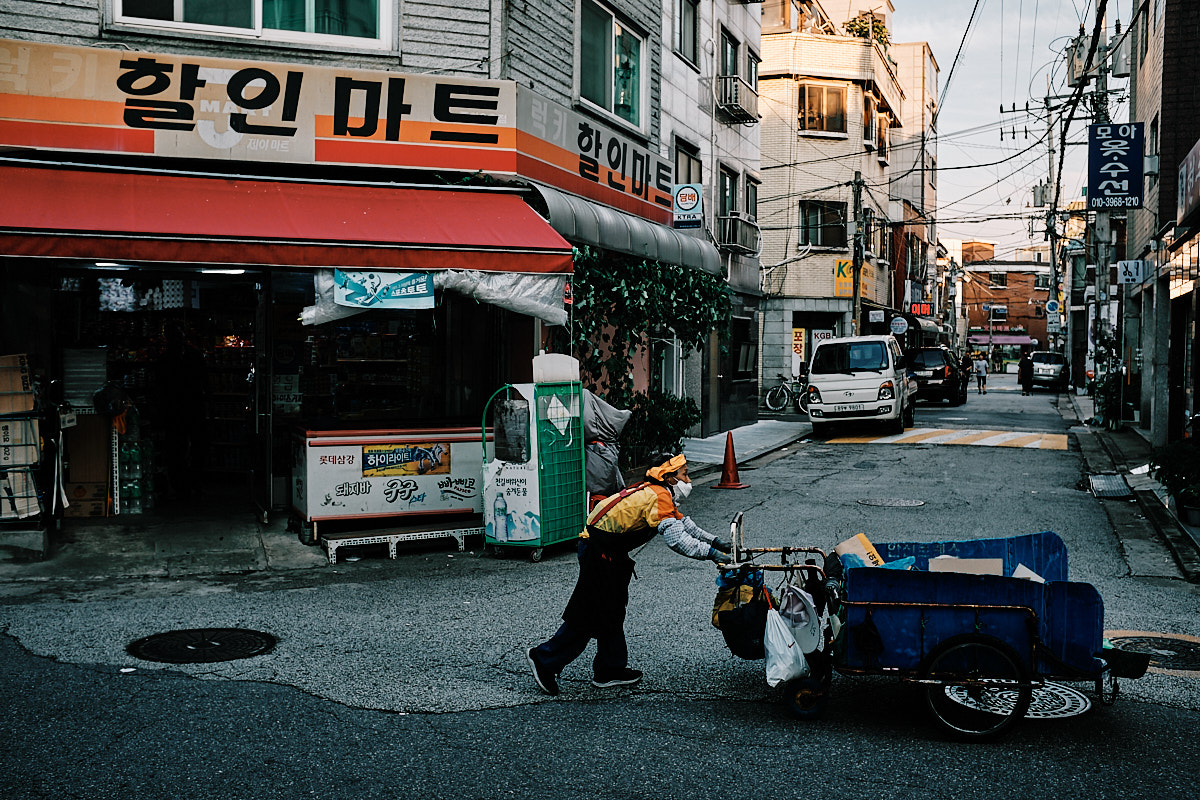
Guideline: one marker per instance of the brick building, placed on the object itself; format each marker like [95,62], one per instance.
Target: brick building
[1004,302]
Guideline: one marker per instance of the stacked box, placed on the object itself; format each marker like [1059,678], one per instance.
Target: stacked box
[18,495]
[16,385]
[19,443]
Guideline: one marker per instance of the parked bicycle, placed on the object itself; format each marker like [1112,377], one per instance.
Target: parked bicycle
[793,392]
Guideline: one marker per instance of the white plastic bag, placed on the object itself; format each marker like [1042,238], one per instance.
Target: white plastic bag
[785,661]
[798,610]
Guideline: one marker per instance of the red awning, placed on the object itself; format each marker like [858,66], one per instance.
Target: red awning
[119,216]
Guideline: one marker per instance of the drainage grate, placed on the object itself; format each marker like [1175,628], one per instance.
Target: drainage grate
[202,645]
[1166,652]
[891,502]
[1109,486]
[1050,701]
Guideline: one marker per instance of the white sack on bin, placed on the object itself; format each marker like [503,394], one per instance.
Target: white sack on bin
[785,661]
[602,421]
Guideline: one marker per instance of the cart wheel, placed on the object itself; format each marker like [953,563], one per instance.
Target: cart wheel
[1107,688]
[806,698]
[976,686]
[536,554]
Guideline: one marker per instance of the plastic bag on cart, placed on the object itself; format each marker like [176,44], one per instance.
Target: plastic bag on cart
[785,660]
[799,611]
[740,611]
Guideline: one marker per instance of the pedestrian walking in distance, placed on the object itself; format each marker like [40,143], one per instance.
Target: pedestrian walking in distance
[981,373]
[616,525]
[1025,374]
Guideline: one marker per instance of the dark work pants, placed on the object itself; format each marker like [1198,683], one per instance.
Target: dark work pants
[568,643]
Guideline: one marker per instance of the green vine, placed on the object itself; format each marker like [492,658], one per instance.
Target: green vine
[620,302]
[869,28]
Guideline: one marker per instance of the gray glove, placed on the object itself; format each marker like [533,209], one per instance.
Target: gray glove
[716,555]
[720,544]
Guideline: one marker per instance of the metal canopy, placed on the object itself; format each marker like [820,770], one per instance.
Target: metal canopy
[588,222]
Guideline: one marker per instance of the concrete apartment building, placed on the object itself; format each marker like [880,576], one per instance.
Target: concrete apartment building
[833,104]
[710,127]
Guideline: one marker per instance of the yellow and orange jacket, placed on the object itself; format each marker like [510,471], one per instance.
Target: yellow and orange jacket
[643,512]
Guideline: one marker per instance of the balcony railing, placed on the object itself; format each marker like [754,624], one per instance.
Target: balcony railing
[737,234]
[736,100]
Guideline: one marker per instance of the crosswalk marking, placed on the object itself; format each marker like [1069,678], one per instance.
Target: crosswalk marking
[981,438]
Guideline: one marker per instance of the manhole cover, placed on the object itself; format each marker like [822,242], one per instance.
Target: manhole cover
[891,502]
[202,645]
[1050,701]
[1173,653]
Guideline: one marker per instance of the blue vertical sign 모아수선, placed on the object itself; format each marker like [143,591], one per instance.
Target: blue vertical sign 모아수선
[1115,168]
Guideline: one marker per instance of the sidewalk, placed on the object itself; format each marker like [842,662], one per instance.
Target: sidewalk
[1118,453]
[749,442]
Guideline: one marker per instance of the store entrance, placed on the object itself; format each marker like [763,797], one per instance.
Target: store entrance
[185,351]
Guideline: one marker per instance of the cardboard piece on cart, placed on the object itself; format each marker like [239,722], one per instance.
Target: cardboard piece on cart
[971,566]
[1025,572]
[18,442]
[16,385]
[860,546]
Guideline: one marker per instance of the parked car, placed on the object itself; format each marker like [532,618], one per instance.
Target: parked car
[939,375]
[859,378]
[1050,369]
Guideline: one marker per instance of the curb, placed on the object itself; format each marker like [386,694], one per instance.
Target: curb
[1183,548]
[1178,541]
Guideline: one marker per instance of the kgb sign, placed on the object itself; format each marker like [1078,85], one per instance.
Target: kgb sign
[1115,153]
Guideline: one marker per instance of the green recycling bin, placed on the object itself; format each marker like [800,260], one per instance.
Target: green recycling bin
[534,491]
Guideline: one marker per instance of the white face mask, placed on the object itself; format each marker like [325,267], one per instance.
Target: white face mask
[681,490]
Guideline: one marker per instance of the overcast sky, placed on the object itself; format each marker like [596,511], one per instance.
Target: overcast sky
[1012,49]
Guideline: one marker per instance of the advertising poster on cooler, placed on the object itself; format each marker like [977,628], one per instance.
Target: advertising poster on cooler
[372,476]
[511,515]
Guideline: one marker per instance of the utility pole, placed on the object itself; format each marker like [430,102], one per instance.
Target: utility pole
[1103,228]
[857,263]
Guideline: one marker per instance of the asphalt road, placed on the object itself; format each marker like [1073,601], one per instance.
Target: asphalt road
[407,679]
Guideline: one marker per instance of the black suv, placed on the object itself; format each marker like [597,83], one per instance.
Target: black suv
[938,374]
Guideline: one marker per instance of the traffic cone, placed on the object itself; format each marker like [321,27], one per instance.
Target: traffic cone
[729,473]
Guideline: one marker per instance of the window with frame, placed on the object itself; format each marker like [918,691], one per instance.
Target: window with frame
[822,108]
[822,224]
[687,29]
[727,192]
[610,63]
[998,278]
[1041,280]
[729,53]
[1145,28]
[869,119]
[688,167]
[751,206]
[367,22]
[752,62]
[882,137]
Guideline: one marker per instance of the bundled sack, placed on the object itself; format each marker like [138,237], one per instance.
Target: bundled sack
[740,611]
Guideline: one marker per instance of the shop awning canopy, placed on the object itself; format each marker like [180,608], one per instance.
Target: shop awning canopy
[185,219]
[999,338]
[586,222]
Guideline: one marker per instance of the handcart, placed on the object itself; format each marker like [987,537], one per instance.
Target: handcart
[977,646]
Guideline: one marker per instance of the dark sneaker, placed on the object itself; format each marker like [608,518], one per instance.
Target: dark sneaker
[547,681]
[625,677]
